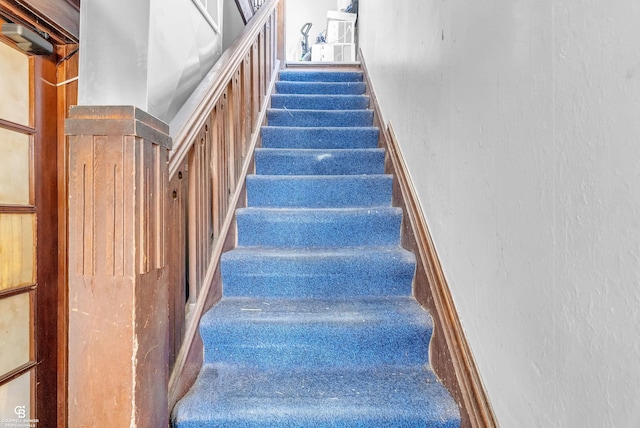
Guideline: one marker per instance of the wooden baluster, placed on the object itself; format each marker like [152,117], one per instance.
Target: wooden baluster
[262,88]
[199,215]
[192,225]
[268,58]
[246,96]
[176,241]
[215,167]
[255,85]
[223,159]
[240,147]
[208,193]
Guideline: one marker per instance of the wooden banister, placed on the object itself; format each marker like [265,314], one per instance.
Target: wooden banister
[195,111]
[214,136]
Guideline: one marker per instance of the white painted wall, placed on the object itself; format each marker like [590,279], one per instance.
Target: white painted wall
[151,53]
[233,23]
[520,124]
[183,46]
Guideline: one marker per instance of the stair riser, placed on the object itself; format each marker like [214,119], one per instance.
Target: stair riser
[319,162]
[314,118]
[327,228]
[319,192]
[281,346]
[319,138]
[355,88]
[373,274]
[319,102]
[320,76]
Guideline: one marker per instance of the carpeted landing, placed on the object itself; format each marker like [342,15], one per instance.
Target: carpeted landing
[317,326]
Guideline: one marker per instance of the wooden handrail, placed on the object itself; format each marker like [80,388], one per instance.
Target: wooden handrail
[192,115]
[214,135]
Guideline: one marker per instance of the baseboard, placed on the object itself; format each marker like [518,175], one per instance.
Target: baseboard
[451,356]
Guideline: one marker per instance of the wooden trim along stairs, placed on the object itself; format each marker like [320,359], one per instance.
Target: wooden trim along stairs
[189,360]
[244,97]
[451,356]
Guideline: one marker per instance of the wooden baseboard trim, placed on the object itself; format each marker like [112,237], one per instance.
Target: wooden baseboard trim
[451,356]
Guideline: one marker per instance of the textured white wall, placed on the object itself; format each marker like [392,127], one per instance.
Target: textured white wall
[148,53]
[114,53]
[183,46]
[233,23]
[519,121]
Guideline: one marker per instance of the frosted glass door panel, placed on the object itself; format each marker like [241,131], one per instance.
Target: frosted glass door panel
[19,208]
[17,250]
[15,398]
[15,332]
[14,85]
[15,168]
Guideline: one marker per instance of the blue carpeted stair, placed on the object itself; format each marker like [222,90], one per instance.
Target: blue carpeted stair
[317,326]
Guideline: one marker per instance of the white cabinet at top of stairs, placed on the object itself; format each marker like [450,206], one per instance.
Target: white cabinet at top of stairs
[340,45]
[337,52]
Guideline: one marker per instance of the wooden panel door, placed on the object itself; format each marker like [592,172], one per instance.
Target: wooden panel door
[28,239]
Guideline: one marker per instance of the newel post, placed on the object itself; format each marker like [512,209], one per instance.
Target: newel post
[118,306]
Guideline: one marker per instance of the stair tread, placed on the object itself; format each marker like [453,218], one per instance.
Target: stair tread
[369,254]
[353,312]
[325,256]
[320,101]
[304,211]
[317,332]
[319,191]
[317,177]
[347,137]
[313,227]
[282,161]
[321,76]
[322,129]
[319,215]
[313,118]
[315,272]
[386,396]
[322,252]
[320,151]
[302,87]
[322,96]
[321,84]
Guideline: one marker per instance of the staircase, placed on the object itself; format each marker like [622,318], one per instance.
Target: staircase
[317,326]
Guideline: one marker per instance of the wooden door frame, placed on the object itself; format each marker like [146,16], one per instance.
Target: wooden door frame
[43,176]
[54,90]
[46,202]
[67,69]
